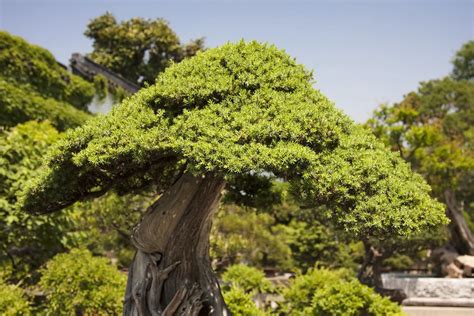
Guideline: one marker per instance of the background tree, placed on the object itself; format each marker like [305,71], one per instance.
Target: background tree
[243,108]
[463,62]
[138,49]
[433,129]
[251,236]
[27,241]
[33,86]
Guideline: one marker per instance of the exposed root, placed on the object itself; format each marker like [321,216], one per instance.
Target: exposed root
[147,294]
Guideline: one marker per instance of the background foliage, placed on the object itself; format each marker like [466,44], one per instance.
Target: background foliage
[78,283]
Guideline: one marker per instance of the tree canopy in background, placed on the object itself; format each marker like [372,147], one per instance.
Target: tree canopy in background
[463,62]
[138,49]
[38,98]
[433,129]
[33,86]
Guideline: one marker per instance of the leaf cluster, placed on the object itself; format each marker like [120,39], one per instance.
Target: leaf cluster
[35,68]
[13,300]
[27,240]
[138,49]
[20,105]
[325,292]
[33,86]
[79,283]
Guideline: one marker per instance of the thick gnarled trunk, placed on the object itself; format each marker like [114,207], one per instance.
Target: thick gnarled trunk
[370,271]
[171,273]
[461,237]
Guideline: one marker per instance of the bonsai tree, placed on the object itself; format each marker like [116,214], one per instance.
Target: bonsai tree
[244,108]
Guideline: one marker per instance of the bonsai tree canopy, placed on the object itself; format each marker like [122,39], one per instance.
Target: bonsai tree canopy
[243,108]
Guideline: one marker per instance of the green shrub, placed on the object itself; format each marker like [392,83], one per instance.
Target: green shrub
[20,104]
[243,234]
[77,282]
[12,300]
[323,292]
[350,298]
[101,86]
[249,279]
[240,303]
[24,64]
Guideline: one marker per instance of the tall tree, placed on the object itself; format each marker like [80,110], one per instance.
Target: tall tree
[463,62]
[243,108]
[433,129]
[138,49]
[33,87]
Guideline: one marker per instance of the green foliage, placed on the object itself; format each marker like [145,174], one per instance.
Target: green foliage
[238,109]
[382,193]
[249,279]
[101,86]
[104,225]
[240,303]
[36,70]
[13,300]
[325,292]
[243,282]
[298,296]
[433,129]
[245,235]
[350,298]
[20,104]
[27,241]
[464,62]
[77,282]
[138,49]
[252,190]
[119,94]
[313,242]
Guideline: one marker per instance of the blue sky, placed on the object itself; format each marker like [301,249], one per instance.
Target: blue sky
[363,53]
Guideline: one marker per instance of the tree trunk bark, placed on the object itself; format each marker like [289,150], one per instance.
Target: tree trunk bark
[461,236]
[370,271]
[171,272]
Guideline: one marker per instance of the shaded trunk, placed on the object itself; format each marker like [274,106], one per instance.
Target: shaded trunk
[370,272]
[461,237]
[171,272]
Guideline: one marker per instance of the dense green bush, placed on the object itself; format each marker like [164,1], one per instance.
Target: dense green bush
[249,279]
[240,303]
[350,298]
[26,241]
[317,242]
[77,282]
[242,234]
[25,64]
[325,292]
[21,104]
[13,300]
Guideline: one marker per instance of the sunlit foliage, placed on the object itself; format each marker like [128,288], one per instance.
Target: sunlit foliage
[79,283]
[237,109]
[138,49]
